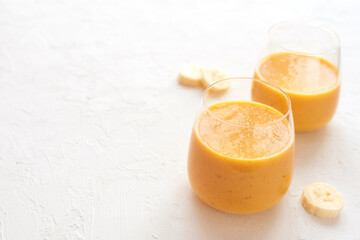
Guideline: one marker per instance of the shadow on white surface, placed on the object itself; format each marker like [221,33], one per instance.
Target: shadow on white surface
[309,144]
[325,221]
[219,225]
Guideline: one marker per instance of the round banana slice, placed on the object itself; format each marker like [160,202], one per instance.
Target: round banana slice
[322,200]
[212,75]
[190,75]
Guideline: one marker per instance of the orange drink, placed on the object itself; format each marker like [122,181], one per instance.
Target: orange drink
[311,83]
[241,153]
[305,66]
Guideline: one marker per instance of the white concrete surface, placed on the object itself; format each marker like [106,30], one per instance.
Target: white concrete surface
[94,128]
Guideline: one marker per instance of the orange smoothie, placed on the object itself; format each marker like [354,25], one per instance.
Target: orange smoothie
[312,84]
[244,162]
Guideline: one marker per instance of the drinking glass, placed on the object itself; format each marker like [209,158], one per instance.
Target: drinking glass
[303,59]
[241,152]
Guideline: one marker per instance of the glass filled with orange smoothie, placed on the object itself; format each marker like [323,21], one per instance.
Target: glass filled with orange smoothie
[303,59]
[241,153]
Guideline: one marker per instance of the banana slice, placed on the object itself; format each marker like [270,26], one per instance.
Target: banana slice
[322,200]
[212,75]
[190,75]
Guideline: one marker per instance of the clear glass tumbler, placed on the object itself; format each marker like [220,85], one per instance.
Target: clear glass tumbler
[303,59]
[241,152]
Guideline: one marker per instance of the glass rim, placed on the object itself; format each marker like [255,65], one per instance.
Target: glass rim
[206,91]
[308,23]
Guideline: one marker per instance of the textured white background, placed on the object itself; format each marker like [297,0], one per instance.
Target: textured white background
[94,128]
